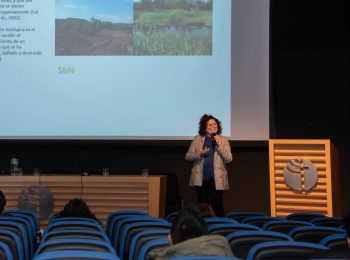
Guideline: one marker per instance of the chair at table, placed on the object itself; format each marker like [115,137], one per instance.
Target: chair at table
[284,250]
[242,241]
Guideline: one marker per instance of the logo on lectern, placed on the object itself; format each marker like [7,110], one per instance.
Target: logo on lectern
[300,174]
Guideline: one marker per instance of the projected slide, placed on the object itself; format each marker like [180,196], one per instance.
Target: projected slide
[138,69]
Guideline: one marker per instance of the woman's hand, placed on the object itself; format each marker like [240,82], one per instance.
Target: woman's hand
[217,139]
[204,151]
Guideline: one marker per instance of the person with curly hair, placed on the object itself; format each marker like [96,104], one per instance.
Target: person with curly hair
[210,152]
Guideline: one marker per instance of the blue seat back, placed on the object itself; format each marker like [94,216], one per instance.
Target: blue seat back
[313,234]
[284,250]
[13,240]
[142,237]
[225,229]
[150,245]
[5,252]
[139,226]
[239,216]
[76,254]
[242,241]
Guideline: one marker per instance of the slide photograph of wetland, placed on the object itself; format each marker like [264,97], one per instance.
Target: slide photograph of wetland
[173,27]
[133,27]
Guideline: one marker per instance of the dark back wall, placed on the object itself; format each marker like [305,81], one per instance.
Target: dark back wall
[249,179]
[309,86]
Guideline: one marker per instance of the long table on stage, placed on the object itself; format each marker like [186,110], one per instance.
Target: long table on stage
[103,194]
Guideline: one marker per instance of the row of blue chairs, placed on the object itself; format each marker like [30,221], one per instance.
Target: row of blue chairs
[74,237]
[18,231]
[129,232]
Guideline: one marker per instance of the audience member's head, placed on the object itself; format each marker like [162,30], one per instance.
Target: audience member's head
[346,221]
[205,210]
[77,208]
[2,202]
[187,224]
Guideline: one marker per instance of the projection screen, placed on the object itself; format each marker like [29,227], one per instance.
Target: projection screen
[124,69]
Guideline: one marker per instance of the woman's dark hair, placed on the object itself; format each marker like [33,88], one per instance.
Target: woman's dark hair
[77,208]
[187,224]
[2,202]
[206,210]
[203,124]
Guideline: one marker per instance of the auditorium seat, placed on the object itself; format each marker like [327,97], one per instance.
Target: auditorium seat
[118,228]
[336,222]
[217,220]
[152,245]
[31,236]
[284,226]
[335,241]
[113,229]
[114,214]
[242,241]
[14,243]
[132,229]
[19,229]
[62,225]
[258,221]
[284,250]
[75,244]
[313,234]
[5,252]
[240,215]
[303,216]
[225,229]
[76,255]
[75,233]
[171,216]
[30,216]
[141,238]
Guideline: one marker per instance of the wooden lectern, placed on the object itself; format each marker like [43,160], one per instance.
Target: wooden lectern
[323,197]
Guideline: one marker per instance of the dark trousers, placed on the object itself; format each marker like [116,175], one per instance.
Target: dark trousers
[208,194]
